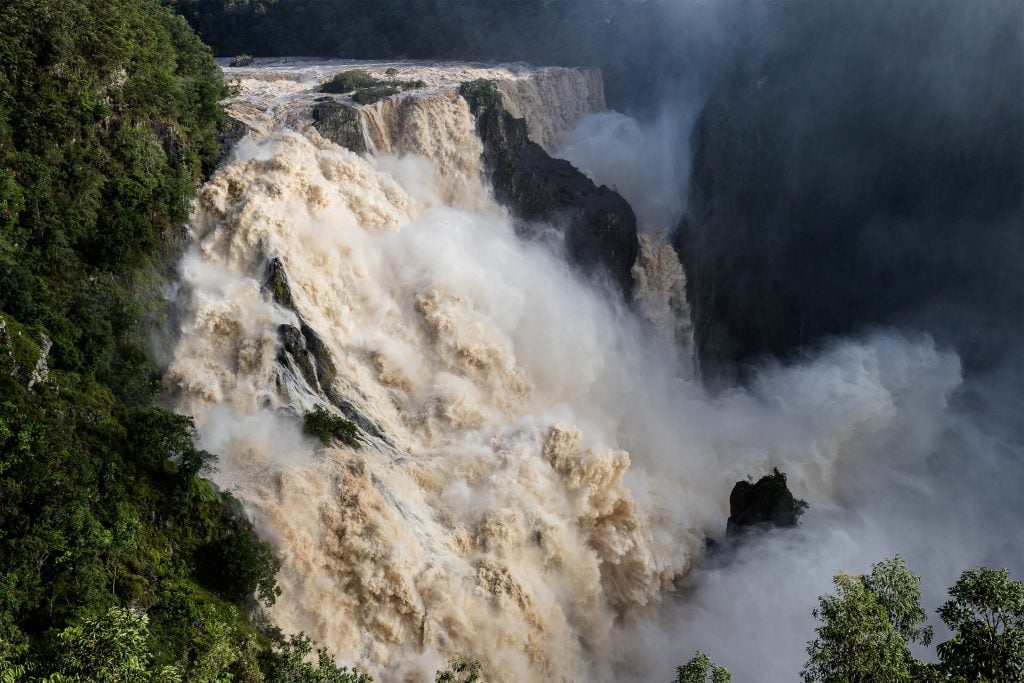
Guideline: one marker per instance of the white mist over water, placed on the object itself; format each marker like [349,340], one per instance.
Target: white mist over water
[647,163]
[549,470]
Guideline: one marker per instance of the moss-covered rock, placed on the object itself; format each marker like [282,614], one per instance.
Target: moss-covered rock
[480,94]
[347,81]
[275,281]
[375,94]
[327,427]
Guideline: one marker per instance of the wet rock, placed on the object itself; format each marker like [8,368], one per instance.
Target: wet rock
[228,135]
[326,372]
[275,281]
[355,415]
[293,345]
[598,225]
[768,502]
[339,123]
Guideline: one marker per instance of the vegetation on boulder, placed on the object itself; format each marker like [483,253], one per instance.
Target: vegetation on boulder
[347,81]
[365,87]
[481,94]
[326,426]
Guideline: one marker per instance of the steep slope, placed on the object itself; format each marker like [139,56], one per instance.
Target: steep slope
[850,175]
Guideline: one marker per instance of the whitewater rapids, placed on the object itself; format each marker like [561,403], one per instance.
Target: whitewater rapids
[544,469]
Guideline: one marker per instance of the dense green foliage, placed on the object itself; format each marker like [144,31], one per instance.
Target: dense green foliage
[986,615]
[366,88]
[867,627]
[347,81]
[481,94]
[701,669]
[326,426]
[292,665]
[461,670]
[109,118]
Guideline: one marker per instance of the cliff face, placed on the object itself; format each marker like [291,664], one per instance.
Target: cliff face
[598,225]
[861,187]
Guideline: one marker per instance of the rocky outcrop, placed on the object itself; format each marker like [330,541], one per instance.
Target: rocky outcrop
[838,185]
[339,123]
[303,353]
[228,135]
[598,226]
[768,502]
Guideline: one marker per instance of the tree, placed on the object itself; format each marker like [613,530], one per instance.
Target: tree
[290,665]
[866,628]
[986,616]
[701,669]
[112,648]
[461,670]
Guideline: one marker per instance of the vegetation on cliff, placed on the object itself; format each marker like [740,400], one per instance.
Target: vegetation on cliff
[113,552]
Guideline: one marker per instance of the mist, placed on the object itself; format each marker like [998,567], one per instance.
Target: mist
[842,184]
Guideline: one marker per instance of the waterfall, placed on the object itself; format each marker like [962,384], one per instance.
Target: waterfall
[536,469]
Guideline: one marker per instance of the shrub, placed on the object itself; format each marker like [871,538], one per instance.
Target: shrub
[481,94]
[347,81]
[986,615]
[461,670]
[327,426]
[242,60]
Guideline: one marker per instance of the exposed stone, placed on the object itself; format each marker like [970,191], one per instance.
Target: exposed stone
[41,372]
[228,135]
[339,123]
[768,502]
[598,225]
[275,281]
[326,371]
[294,345]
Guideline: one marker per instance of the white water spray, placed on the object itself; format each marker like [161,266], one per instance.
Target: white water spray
[546,471]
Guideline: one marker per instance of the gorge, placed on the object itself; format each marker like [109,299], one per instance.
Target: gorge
[536,467]
[511,340]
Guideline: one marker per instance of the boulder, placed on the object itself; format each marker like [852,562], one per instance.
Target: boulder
[339,123]
[766,503]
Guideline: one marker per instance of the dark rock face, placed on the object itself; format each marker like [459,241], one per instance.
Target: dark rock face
[598,225]
[304,352]
[765,503]
[340,124]
[864,169]
[275,280]
[228,135]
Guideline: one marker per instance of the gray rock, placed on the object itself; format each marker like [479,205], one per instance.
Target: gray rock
[339,123]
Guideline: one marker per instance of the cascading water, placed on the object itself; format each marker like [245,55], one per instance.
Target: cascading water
[536,468]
